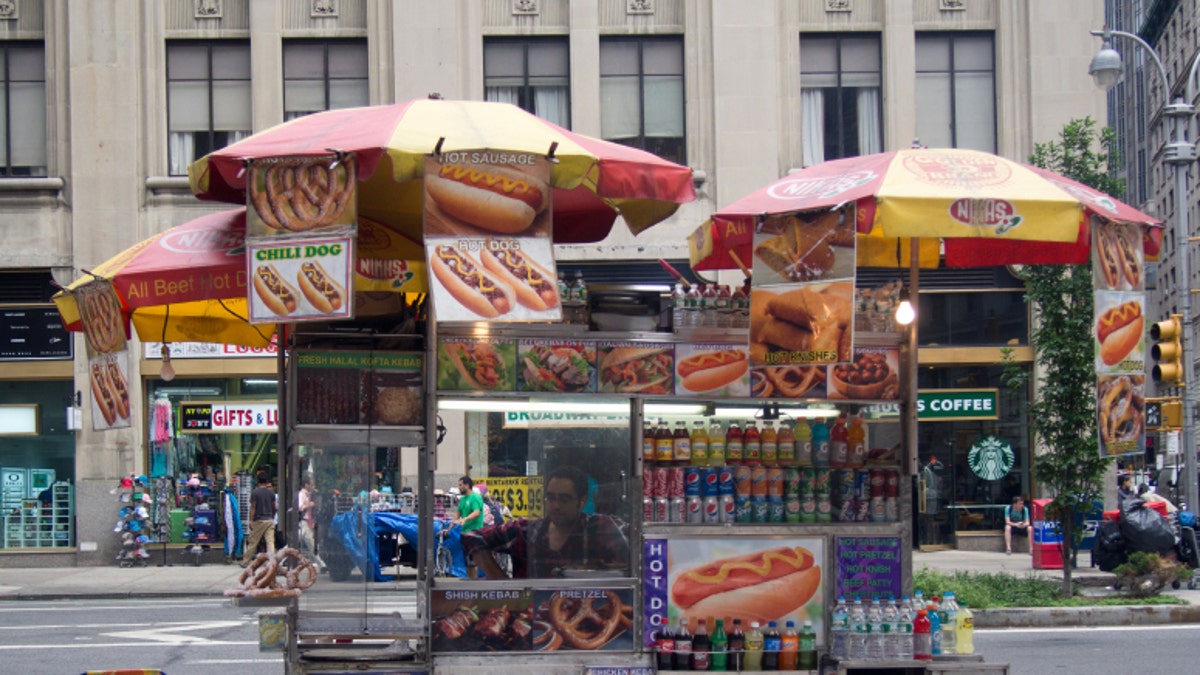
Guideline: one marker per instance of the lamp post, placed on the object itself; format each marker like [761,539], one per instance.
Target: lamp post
[1107,71]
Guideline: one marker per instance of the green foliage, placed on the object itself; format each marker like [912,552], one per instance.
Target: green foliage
[1147,574]
[996,591]
[1062,409]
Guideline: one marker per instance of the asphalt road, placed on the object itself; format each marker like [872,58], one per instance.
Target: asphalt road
[1161,650]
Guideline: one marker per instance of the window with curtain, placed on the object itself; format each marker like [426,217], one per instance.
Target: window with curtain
[841,103]
[324,76]
[23,109]
[641,94]
[956,90]
[208,99]
[533,74]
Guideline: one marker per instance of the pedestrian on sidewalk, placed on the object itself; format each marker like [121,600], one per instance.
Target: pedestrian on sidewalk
[262,519]
[1016,521]
[1124,490]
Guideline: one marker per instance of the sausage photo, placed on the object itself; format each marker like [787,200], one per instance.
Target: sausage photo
[320,290]
[534,285]
[473,288]
[706,371]
[496,199]
[275,293]
[1119,330]
[119,388]
[102,394]
[761,586]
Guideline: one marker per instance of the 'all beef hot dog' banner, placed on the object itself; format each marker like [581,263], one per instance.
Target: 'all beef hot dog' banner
[301,222]
[1119,329]
[487,236]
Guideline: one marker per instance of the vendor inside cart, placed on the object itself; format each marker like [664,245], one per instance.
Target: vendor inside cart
[564,542]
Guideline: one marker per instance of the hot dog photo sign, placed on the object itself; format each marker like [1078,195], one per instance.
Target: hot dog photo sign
[487,236]
[1118,332]
[300,279]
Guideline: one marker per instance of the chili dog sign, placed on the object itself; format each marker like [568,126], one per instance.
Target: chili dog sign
[300,279]
[487,236]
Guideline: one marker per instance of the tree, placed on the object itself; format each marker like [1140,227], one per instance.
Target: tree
[1062,409]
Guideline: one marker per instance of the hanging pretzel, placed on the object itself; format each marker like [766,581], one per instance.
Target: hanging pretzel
[302,193]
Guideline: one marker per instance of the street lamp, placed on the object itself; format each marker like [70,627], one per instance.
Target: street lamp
[1107,71]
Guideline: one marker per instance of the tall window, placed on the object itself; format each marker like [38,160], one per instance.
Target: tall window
[208,99]
[533,74]
[641,94]
[323,76]
[23,107]
[840,98]
[956,91]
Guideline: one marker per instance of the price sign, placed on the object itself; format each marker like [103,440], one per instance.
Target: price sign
[522,495]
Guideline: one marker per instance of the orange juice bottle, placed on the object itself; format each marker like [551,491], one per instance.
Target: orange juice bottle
[699,444]
[768,444]
[856,437]
[751,445]
[786,444]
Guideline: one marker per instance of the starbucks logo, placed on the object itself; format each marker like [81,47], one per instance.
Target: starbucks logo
[991,458]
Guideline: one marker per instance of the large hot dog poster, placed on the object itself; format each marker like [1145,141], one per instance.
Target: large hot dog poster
[111,403]
[300,279]
[1118,334]
[487,236]
[747,578]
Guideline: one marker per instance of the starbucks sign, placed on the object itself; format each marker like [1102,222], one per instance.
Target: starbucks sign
[991,458]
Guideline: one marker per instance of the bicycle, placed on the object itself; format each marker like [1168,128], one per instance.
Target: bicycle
[443,559]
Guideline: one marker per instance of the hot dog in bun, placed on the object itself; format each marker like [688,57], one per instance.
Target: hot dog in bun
[102,394]
[119,388]
[761,586]
[1119,331]
[318,288]
[279,297]
[534,285]
[705,371]
[474,288]
[493,198]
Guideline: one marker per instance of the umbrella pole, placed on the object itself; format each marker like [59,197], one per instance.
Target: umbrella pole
[909,371]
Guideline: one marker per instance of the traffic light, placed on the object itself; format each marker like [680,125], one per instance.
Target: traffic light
[1167,351]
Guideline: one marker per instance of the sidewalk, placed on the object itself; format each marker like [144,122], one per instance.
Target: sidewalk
[211,579]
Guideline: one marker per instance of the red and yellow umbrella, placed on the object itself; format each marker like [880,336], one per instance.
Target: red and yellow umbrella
[594,180]
[984,209]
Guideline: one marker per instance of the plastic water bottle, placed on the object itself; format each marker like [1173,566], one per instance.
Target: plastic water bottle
[906,630]
[966,629]
[808,648]
[579,297]
[918,601]
[691,307]
[725,310]
[856,649]
[789,647]
[875,636]
[678,297]
[891,630]
[922,636]
[935,628]
[948,613]
[838,627]
[564,296]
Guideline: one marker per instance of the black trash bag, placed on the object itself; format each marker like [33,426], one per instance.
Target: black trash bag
[1108,550]
[1145,531]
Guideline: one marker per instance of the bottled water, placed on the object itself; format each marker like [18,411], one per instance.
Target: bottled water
[949,617]
[677,301]
[856,649]
[891,630]
[906,616]
[918,601]
[875,634]
[838,626]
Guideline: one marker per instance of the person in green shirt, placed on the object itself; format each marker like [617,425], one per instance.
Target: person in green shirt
[470,513]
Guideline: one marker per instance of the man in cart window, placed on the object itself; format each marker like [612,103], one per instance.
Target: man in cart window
[566,540]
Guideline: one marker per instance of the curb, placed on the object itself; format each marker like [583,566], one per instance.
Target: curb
[1055,617]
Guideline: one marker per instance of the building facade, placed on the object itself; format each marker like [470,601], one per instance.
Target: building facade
[108,102]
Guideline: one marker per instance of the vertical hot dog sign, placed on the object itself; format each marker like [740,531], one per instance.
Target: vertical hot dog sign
[1119,327]
[300,233]
[108,353]
[487,236]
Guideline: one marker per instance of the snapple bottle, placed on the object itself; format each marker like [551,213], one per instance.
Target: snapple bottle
[751,445]
[716,444]
[786,440]
[699,444]
[769,444]
[733,444]
[664,445]
[648,440]
[681,444]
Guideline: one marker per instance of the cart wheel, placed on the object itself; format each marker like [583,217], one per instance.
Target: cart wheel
[1175,585]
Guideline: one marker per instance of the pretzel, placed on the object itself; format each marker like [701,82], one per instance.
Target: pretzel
[795,381]
[571,624]
[547,639]
[761,385]
[260,578]
[102,326]
[303,566]
[301,193]
[1120,411]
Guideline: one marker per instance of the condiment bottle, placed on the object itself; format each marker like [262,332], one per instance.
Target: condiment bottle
[699,444]
[803,443]
[768,442]
[786,443]
[733,444]
[751,445]
[839,447]
[681,444]
[856,436]
[664,445]
[716,444]
[820,444]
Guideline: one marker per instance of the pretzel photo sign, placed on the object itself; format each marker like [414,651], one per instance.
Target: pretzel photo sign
[301,195]
[100,315]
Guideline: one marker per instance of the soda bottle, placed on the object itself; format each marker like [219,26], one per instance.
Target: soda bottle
[875,636]
[733,444]
[772,642]
[751,445]
[922,636]
[949,617]
[966,629]
[664,644]
[808,648]
[789,647]
[681,444]
[737,646]
[699,444]
[664,445]
[755,641]
[682,656]
[838,627]
[856,436]
[820,443]
[700,647]
[785,441]
[716,444]
[839,448]
[768,442]
[720,648]
[648,454]
[803,443]
[905,649]
[935,627]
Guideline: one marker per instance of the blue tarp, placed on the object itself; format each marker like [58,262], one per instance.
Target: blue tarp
[358,532]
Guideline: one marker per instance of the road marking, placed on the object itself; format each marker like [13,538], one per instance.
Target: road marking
[168,634]
[120,645]
[1075,629]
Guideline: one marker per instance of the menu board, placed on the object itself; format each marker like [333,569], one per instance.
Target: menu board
[867,567]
